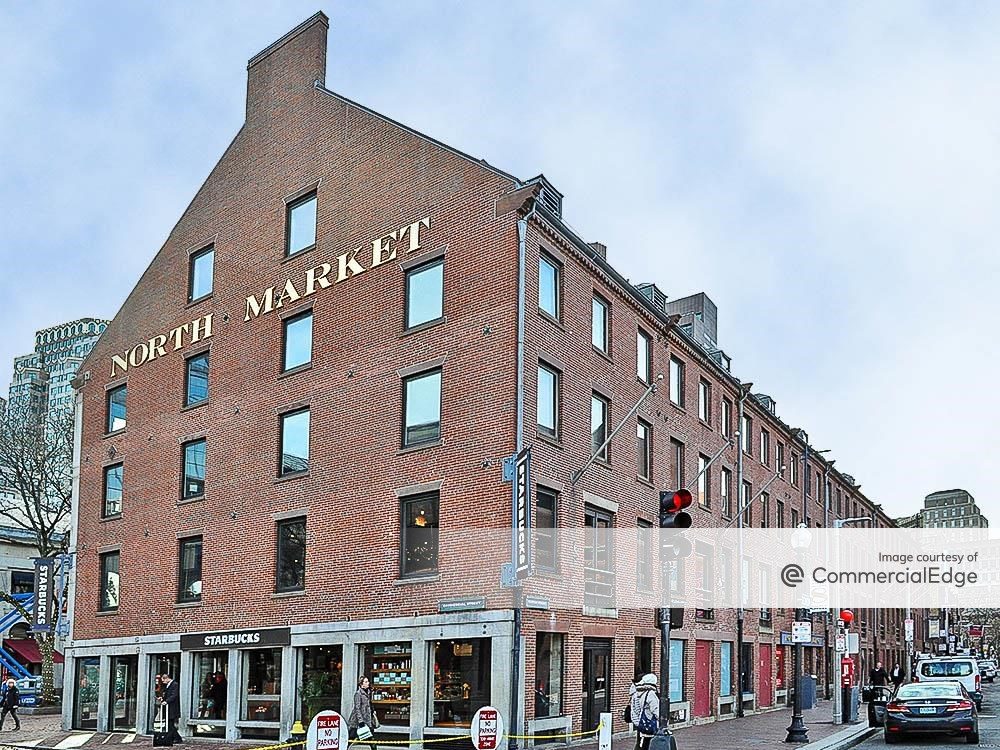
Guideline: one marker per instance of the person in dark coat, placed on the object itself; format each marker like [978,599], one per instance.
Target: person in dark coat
[878,676]
[217,696]
[362,713]
[9,702]
[897,676]
[172,700]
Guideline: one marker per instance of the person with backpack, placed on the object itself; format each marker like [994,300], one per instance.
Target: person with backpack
[9,702]
[645,711]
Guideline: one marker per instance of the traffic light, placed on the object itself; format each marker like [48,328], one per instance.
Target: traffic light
[673,516]
[672,513]
[675,617]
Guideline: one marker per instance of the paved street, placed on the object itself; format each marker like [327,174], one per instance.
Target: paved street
[989,728]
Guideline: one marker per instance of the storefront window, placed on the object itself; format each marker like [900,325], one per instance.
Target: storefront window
[321,680]
[461,680]
[211,678]
[726,670]
[389,667]
[88,686]
[548,674]
[262,692]
[125,670]
[161,664]
[676,671]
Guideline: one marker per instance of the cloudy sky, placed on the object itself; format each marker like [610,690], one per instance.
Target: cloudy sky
[827,173]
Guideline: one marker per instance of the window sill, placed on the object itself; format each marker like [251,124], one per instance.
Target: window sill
[190,407]
[554,321]
[187,605]
[424,326]
[551,574]
[647,482]
[196,302]
[106,612]
[288,594]
[554,442]
[706,423]
[295,370]
[422,446]
[707,507]
[608,613]
[188,500]
[112,517]
[603,354]
[297,254]
[407,580]
[678,407]
[115,433]
[289,477]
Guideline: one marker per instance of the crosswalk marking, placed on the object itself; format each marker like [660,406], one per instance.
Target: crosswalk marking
[108,739]
[128,739]
[75,740]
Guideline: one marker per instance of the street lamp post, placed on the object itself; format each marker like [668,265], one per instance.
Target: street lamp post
[797,731]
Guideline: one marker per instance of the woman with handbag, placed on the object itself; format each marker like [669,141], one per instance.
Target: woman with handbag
[363,722]
[645,710]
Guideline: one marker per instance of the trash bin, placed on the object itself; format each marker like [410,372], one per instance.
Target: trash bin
[849,699]
[807,686]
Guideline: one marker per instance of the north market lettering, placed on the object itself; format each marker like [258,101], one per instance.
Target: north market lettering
[347,265]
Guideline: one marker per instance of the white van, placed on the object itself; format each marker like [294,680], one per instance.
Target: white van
[962,669]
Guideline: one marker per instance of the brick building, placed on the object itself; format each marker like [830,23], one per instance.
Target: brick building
[322,366]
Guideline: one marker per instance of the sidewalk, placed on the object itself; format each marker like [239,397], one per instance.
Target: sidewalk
[764,731]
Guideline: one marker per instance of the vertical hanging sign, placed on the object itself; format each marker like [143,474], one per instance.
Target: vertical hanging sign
[522,514]
[44,594]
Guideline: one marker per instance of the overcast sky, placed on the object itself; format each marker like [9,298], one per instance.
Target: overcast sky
[827,173]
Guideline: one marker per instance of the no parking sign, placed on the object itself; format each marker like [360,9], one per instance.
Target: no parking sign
[487,729]
[327,731]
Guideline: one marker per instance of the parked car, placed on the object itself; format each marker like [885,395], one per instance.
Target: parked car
[963,669]
[936,707]
[988,670]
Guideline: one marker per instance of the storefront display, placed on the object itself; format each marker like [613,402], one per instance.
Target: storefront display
[321,682]
[461,680]
[88,687]
[548,674]
[261,692]
[389,668]
[211,678]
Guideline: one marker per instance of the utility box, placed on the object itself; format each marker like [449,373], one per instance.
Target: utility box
[807,688]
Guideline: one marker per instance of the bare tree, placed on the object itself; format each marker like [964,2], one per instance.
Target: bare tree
[36,481]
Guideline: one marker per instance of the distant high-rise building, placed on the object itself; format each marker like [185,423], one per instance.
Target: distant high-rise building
[952,509]
[42,379]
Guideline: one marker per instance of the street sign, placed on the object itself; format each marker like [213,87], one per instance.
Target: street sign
[801,632]
[853,643]
[327,731]
[841,643]
[522,515]
[908,629]
[975,631]
[486,729]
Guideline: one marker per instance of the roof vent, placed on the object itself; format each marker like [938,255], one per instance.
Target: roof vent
[549,197]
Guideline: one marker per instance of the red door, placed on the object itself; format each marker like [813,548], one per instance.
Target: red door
[702,680]
[764,692]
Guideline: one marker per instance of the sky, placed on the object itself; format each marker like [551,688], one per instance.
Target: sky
[826,172]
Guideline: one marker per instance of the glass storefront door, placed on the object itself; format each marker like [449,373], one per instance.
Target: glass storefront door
[461,680]
[124,690]
[321,680]
[88,690]
[261,693]
[211,683]
[160,664]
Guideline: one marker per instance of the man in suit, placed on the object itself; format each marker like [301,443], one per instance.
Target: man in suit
[172,700]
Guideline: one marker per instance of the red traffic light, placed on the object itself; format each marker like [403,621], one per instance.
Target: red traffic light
[847,616]
[678,501]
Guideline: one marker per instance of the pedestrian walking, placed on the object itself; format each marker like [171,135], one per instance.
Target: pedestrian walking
[363,722]
[9,702]
[172,700]
[878,676]
[645,710]
[897,676]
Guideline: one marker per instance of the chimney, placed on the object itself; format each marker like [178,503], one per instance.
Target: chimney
[285,71]
[600,248]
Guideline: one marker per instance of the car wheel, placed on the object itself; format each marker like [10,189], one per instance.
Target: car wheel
[972,739]
[890,739]
[979,705]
